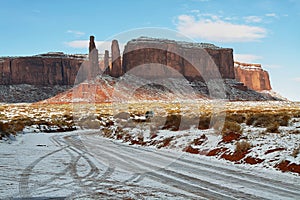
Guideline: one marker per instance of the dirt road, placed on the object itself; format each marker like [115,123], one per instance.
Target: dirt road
[88,166]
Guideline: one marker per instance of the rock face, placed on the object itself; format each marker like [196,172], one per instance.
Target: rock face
[116,69]
[93,68]
[106,66]
[47,69]
[200,64]
[192,60]
[253,76]
[92,44]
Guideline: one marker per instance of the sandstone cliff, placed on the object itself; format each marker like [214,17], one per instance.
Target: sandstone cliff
[194,61]
[252,75]
[116,69]
[47,69]
[198,63]
[35,78]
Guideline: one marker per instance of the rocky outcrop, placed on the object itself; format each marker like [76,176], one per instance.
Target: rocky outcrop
[106,66]
[46,69]
[116,69]
[199,63]
[30,93]
[93,67]
[92,44]
[253,76]
[194,61]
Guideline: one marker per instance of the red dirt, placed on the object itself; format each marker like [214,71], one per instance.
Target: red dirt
[235,156]
[287,166]
[192,150]
[273,150]
[228,137]
[217,151]
[253,161]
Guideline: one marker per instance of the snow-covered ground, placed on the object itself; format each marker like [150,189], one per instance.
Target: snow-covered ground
[85,165]
[126,156]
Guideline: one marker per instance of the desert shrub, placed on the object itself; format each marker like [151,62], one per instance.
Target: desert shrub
[26,121]
[250,119]
[273,128]
[296,114]
[235,117]
[12,127]
[242,147]
[4,128]
[268,119]
[204,122]
[263,120]
[17,127]
[68,117]
[230,126]
[282,118]
[172,122]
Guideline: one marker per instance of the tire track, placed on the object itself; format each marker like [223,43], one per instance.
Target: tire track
[225,172]
[179,181]
[279,189]
[24,180]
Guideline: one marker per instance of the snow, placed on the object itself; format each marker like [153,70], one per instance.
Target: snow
[82,163]
[41,165]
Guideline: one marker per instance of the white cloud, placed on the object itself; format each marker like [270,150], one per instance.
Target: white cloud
[76,33]
[214,29]
[100,45]
[246,58]
[253,19]
[271,15]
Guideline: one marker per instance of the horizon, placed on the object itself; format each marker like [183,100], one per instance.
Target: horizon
[263,32]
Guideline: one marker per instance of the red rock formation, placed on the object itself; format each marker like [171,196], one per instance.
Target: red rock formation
[193,61]
[253,76]
[116,69]
[39,70]
[106,67]
[92,44]
[93,68]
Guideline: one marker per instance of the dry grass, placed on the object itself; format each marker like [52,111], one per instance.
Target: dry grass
[242,147]
[172,122]
[204,122]
[230,126]
[273,128]
[235,117]
[267,119]
[175,116]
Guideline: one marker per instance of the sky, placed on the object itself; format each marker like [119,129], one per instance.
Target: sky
[259,31]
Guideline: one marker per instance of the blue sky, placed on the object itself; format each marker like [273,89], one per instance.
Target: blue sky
[259,31]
